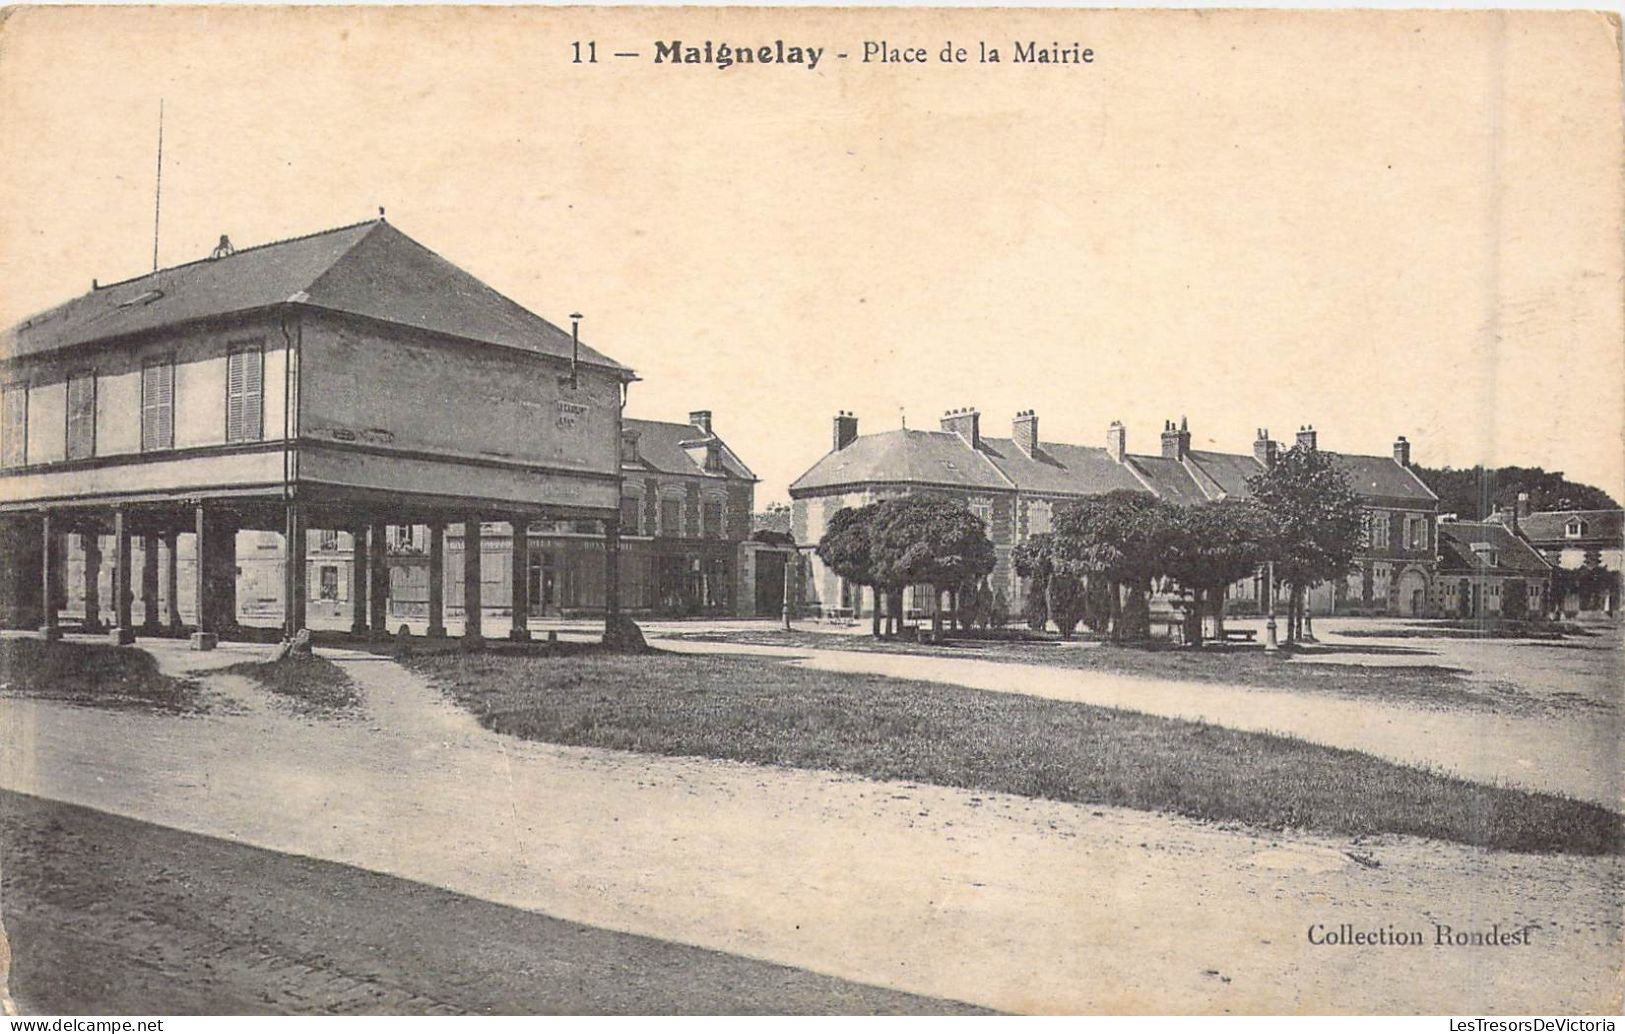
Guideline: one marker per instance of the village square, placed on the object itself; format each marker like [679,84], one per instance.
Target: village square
[1142,537]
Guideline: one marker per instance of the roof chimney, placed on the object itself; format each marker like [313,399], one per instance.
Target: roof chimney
[1402,451]
[966,423]
[701,418]
[1024,429]
[1265,450]
[1306,437]
[222,249]
[1176,442]
[1117,440]
[1523,504]
[846,429]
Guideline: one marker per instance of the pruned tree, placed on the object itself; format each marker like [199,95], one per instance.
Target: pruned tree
[1055,592]
[1211,546]
[1121,537]
[1317,530]
[922,539]
[847,548]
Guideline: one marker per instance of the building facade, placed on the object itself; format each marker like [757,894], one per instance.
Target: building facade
[1015,485]
[320,384]
[1573,540]
[1487,569]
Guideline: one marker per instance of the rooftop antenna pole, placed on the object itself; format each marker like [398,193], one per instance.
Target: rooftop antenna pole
[158,190]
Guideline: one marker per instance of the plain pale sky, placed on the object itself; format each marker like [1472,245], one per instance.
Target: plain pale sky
[1381,223]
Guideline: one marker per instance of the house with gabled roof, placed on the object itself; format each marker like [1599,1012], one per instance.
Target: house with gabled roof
[1487,569]
[1572,540]
[1014,484]
[350,379]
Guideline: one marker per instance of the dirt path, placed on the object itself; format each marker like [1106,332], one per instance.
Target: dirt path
[1007,902]
[110,915]
[1578,756]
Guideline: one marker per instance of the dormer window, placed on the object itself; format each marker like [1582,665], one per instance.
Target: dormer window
[1486,554]
[1574,529]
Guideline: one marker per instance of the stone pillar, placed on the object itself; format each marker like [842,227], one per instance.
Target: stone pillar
[293,574]
[378,570]
[612,573]
[91,543]
[149,584]
[520,632]
[358,580]
[172,578]
[437,579]
[123,631]
[204,638]
[472,639]
[48,563]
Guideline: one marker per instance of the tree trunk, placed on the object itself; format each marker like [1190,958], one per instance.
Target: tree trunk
[936,614]
[1114,610]
[874,610]
[1218,615]
[1194,619]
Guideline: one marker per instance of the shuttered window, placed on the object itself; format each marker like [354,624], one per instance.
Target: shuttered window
[81,416]
[158,405]
[14,425]
[245,392]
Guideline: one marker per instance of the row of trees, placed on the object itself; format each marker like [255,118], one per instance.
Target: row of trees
[1104,555]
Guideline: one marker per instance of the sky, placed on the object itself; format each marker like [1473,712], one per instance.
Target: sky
[1377,223]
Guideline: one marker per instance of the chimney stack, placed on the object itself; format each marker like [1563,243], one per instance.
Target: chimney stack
[1024,429]
[846,429]
[1306,437]
[1402,451]
[1117,441]
[966,423]
[1523,505]
[701,418]
[1265,449]
[1176,442]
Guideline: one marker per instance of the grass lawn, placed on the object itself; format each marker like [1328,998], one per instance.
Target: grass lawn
[310,684]
[1430,685]
[767,712]
[92,674]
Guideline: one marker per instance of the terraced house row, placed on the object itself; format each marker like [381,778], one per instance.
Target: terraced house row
[1016,483]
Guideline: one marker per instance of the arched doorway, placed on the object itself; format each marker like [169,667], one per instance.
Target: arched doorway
[1413,593]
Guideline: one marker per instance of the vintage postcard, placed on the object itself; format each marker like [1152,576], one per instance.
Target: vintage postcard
[791,510]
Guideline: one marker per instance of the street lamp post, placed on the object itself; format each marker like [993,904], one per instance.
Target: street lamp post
[1270,643]
[792,558]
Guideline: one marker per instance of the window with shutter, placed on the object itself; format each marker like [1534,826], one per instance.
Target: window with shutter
[81,416]
[245,376]
[14,425]
[158,405]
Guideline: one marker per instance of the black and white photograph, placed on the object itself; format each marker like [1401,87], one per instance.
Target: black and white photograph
[672,511]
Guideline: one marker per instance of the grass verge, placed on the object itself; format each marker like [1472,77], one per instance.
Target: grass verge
[310,684]
[93,675]
[1248,666]
[766,712]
